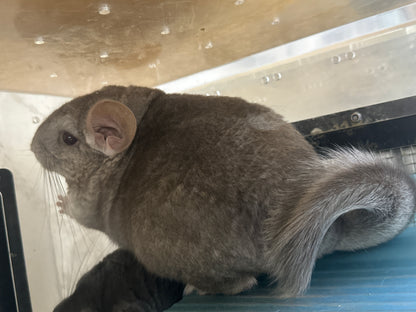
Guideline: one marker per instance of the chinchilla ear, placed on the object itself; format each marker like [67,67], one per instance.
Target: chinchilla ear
[110,127]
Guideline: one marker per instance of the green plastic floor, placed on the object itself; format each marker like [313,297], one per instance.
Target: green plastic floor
[378,279]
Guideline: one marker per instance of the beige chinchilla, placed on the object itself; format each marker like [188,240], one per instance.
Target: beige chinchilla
[213,191]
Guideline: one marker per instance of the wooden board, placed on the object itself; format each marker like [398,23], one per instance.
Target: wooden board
[68,48]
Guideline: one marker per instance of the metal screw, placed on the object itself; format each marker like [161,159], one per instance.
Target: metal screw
[165,30]
[265,79]
[209,45]
[316,131]
[39,40]
[104,54]
[356,117]
[350,55]
[104,9]
[336,59]
[275,21]
[277,76]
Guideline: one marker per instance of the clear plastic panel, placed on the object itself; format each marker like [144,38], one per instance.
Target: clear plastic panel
[362,71]
[57,250]
[358,73]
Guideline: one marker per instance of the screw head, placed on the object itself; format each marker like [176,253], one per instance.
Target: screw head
[356,117]
[336,59]
[104,9]
[350,55]
[265,79]
[277,76]
[39,40]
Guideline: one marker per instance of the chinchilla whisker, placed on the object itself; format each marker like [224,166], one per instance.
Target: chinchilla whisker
[58,250]
[68,225]
[52,192]
[59,190]
[38,176]
[77,274]
[88,245]
[71,227]
[63,223]
[51,209]
[60,185]
[43,208]
[107,249]
[83,234]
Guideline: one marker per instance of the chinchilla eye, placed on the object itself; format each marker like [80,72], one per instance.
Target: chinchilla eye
[69,139]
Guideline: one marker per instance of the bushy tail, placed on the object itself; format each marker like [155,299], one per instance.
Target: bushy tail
[358,201]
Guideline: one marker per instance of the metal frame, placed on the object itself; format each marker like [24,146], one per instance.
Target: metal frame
[14,294]
[377,127]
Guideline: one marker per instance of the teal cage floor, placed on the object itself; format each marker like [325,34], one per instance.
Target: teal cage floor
[378,279]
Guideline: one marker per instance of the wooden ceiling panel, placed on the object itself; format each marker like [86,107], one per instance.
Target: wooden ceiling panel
[66,47]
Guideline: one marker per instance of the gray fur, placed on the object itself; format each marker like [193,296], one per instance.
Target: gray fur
[356,201]
[214,190]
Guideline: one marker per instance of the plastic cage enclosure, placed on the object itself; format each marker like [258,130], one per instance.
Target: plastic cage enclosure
[381,278]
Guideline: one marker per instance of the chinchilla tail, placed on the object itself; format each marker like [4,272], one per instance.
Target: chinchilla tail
[359,200]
